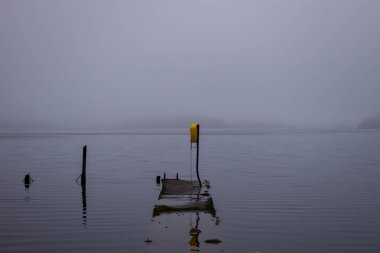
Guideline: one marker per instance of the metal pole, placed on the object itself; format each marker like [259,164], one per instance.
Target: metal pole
[199,180]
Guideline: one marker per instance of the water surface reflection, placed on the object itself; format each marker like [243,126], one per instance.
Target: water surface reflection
[84,206]
[184,220]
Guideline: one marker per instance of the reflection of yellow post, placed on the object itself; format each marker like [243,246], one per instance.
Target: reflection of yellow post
[194,243]
[194,138]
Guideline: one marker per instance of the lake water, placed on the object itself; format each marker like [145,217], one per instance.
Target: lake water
[274,191]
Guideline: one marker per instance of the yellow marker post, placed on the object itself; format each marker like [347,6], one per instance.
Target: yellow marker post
[194,133]
[194,138]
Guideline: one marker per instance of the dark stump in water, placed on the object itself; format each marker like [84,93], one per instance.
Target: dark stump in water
[27,181]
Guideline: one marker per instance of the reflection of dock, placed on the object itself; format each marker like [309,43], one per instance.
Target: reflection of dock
[177,214]
[206,206]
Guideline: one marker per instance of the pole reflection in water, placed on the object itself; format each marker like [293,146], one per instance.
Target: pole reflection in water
[84,206]
[178,216]
[194,233]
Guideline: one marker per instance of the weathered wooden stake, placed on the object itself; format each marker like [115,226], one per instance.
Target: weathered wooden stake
[199,180]
[177,176]
[83,176]
[158,180]
[164,175]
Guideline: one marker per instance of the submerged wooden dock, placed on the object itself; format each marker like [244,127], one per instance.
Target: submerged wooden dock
[184,196]
[179,195]
[180,187]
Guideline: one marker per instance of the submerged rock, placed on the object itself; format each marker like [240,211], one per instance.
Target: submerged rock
[213,241]
[148,240]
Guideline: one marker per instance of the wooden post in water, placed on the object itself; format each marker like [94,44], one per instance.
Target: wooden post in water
[27,179]
[199,180]
[83,176]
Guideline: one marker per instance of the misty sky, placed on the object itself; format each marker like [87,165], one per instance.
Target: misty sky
[77,63]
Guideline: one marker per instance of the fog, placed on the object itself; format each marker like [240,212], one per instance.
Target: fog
[105,63]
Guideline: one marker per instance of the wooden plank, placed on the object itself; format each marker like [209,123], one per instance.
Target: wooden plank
[180,187]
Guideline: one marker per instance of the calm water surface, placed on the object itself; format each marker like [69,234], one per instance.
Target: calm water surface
[305,191]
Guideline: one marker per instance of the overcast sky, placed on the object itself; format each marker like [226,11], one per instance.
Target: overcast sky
[88,62]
